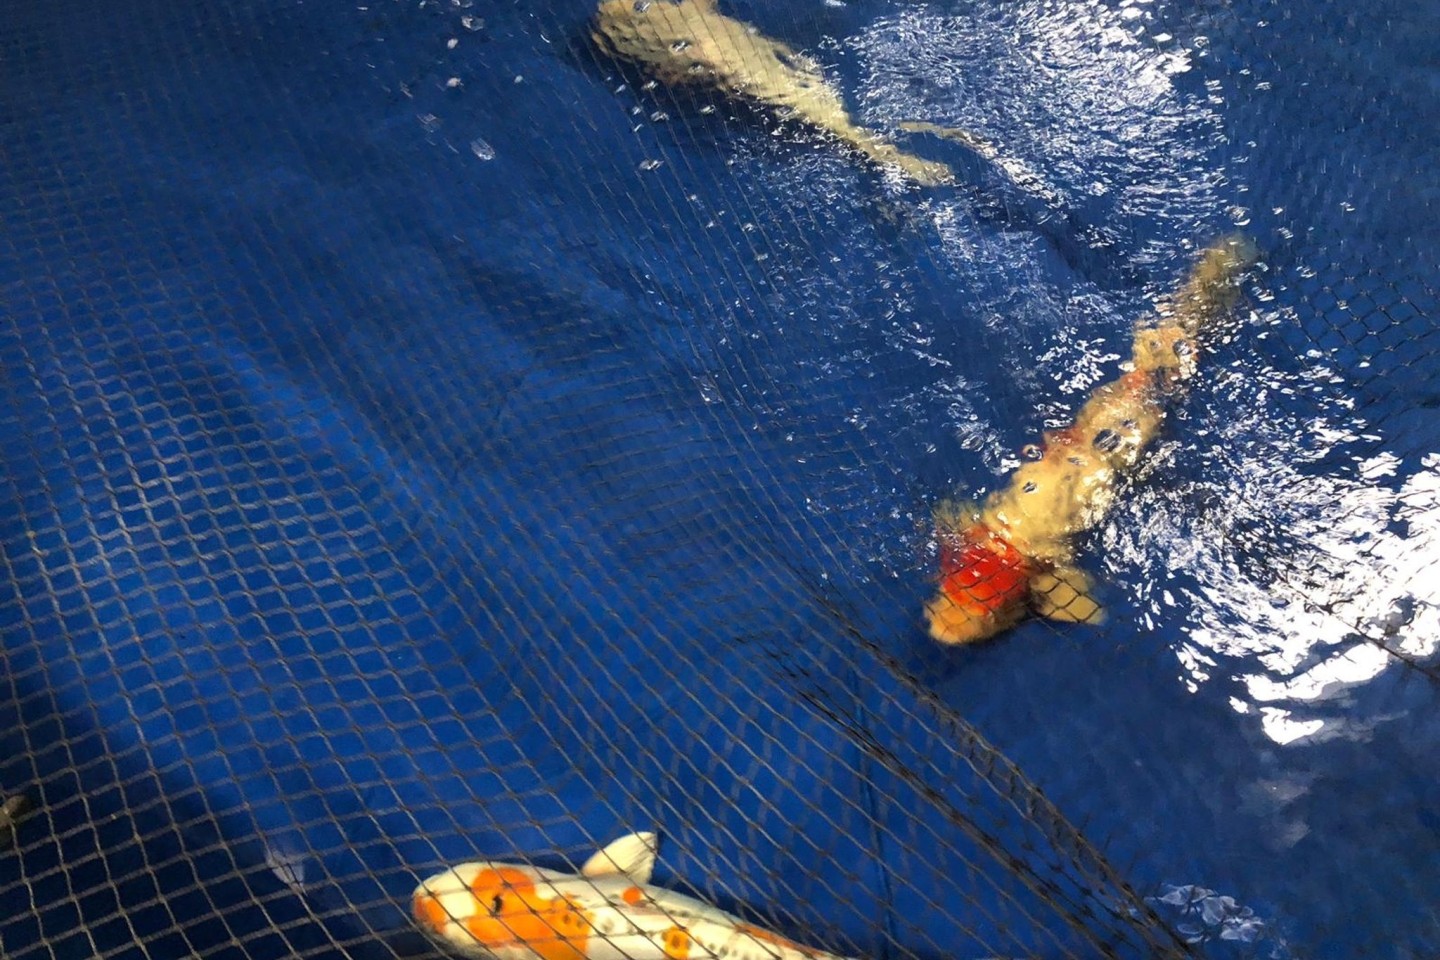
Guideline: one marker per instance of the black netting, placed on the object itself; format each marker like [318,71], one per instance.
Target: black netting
[432,436]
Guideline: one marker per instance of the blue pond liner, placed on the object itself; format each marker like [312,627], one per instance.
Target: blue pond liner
[371,505]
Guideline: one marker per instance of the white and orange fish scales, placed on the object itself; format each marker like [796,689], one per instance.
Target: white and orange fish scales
[609,911]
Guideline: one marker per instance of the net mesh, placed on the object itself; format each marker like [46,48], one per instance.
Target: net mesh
[429,439]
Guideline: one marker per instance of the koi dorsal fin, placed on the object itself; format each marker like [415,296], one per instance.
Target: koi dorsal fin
[632,856]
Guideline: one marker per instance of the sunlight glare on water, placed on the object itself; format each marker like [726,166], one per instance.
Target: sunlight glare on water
[1305,556]
[1299,547]
[1092,143]
[1075,93]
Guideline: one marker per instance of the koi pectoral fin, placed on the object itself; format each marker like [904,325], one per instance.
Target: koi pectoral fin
[1065,594]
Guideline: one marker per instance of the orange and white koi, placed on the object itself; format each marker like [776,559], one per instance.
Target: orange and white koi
[1014,554]
[608,911]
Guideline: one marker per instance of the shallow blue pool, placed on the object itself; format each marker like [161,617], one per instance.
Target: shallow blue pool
[426,440]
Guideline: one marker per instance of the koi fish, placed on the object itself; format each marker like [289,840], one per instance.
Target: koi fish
[12,811]
[1014,554]
[608,911]
[690,42]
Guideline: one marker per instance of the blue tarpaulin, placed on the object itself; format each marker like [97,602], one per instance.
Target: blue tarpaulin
[424,439]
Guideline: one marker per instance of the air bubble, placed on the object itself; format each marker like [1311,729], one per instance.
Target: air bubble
[482,149]
[648,165]
[1032,451]
[1106,440]
[472,23]
[709,389]
[679,46]
[642,5]
[1030,486]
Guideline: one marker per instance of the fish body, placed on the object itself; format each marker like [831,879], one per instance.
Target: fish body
[1014,554]
[608,911]
[691,43]
[12,811]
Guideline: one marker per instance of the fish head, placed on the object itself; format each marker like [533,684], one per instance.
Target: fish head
[673,39]
[501,911]
[625,13]
[984,586]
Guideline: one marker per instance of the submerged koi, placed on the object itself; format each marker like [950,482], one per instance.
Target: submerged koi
[1014,554]
[608,911]
[690,42]
[12,811]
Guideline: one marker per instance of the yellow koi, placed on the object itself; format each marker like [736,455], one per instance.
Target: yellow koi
[690,42]
[1014,554]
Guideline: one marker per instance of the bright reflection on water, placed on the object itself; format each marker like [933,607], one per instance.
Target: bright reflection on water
[1292,555]
[1087,131]
[1079,101]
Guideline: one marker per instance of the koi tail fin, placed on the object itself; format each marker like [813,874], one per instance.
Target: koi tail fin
[926,173]
[973,141]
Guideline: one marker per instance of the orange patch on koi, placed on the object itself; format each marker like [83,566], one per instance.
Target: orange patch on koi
[511,912]
[677,943]
[984,586]
[428,910]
